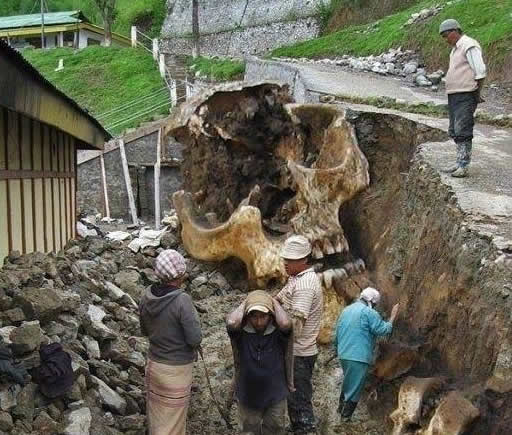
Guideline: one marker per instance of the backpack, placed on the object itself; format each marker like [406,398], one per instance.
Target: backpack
[55,372]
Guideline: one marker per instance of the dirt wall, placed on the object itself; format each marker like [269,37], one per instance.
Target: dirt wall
[421,252]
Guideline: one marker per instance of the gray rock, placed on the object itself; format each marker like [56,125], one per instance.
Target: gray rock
[132,422]
[39,303]
[390,67]
[8,396]
[199,281]
[78,422]
[71,325]
[129,280]
[5,333]
[25,407]
[218,281]
[93,323]
[14,315]
[26,338]
[6,423]
[92,346]
[119,351]
[45,424]
[108,397]
[410,68]
[435,78]
[422,81]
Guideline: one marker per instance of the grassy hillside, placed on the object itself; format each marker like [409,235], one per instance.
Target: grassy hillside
[490,22]
[104,79]
[217,69]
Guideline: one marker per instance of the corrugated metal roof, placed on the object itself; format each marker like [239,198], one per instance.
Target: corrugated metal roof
[12,54]
[17,21]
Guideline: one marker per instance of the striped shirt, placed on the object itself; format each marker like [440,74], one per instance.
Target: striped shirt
[302,297]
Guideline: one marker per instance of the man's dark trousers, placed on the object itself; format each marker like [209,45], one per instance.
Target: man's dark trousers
[461,107]
[300,405]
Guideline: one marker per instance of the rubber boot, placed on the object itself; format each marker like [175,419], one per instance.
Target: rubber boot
[460,173]
[341,403]
[450,169]
[348,410]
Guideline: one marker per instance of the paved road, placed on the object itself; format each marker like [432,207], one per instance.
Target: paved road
[331,80]
[486,195]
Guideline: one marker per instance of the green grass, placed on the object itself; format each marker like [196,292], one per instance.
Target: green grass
[102,79]
[146,14]
[490,22]
[217,69]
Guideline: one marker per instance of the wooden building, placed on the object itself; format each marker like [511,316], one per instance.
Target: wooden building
[40,131]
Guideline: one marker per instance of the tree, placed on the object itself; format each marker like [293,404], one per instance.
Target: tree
[195,28]
[108,13]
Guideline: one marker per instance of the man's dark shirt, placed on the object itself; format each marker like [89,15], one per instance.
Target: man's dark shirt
[262,378]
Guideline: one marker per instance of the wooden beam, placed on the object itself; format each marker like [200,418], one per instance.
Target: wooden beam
[104,183]
[157,179]
[126,171]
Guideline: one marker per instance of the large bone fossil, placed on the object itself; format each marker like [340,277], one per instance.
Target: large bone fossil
[260,168]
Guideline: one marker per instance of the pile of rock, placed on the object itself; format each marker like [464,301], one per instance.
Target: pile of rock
[395,62]
[424,15]
[84,297]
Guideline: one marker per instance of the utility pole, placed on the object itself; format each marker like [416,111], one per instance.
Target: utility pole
[42,24]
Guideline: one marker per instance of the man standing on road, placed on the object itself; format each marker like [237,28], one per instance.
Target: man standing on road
[302,298]
[260,332]
[464,82]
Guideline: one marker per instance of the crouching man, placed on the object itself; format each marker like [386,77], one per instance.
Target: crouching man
[261,337]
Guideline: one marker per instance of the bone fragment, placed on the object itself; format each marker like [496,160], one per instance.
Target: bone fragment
[240,236]
[231,207]
[338,245]
[328,277]
[212,218]
[320,277]
[327,247]
[359,264]
[317,253]
[410,400]
[341,273]
[350,268]
[453,416]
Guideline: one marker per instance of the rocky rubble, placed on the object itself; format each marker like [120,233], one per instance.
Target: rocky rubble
[405,65]
[84,297]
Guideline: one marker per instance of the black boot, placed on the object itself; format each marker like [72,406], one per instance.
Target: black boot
[348,410]
[341,403]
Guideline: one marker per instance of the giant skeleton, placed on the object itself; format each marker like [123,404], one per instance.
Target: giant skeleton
[258,168]
[296,165]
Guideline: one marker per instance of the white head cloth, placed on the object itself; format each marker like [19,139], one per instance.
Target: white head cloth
[369,294]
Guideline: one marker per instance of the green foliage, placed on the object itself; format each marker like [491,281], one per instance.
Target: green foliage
[217,69]
[489,22]
[149,14]
[101,79]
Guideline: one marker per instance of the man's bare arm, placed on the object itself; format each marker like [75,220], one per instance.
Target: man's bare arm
[235,318]
[283,322]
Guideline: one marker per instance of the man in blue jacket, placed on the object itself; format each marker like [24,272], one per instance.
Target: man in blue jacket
[356,330]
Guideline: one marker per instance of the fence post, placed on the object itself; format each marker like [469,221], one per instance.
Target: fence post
[174,93]
[161,64]
[157,179]
[126,171]
[155,49]
[134,36]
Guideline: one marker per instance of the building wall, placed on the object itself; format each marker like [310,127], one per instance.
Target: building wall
[141,156]
[37,185]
